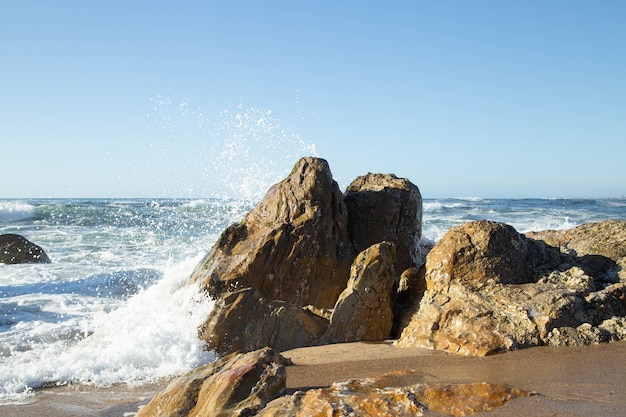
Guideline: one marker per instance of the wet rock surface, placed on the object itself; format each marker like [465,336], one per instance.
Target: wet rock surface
[16,249]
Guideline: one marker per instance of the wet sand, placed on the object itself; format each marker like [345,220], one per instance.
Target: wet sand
[585,381]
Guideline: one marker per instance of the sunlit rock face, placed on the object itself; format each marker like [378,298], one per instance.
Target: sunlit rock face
[293,246]
[490,289]
[383,396]
[236,385]
[16,249]
[364,310]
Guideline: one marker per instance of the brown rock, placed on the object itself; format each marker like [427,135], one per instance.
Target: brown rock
[384,208]
[488,291]
[246,321]
[364,311]
[16,249]
[383,396]
[293,246]
[476,253]
[598,247]
[236,385]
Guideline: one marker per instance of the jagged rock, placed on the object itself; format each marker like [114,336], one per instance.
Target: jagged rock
[236,385]
[385,396]
[385,208]
[293,246]
[364,310]
[490,289]
[16,249]
[246,321]
[599,247]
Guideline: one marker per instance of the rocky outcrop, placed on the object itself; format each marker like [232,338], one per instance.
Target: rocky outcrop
[385,208]
[293,246]
[236,385]
[364,310]
[384,396]
[278,275]
[245,321]
[490,289]
[16,249]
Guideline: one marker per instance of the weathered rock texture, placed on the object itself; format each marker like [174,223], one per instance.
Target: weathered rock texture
[245,321]
[293,246]
[236,385]
[490,289]
[291,256]
[385,208]
[364,310]
[382,396]
[254,384]
[16,249]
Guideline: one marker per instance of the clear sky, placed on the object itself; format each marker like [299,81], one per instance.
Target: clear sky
[198,98]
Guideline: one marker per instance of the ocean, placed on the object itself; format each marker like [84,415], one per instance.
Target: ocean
[113,307]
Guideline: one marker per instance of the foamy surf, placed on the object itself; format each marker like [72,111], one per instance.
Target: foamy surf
[150,336]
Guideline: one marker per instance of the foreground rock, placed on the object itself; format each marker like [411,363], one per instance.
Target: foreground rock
[254,384]
[384,396]
[16,249]
[236,385]
[490,289]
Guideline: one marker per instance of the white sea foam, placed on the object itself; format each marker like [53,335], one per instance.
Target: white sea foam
[152,335]
[15,210]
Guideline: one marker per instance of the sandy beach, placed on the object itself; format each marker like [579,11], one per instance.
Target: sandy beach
[574,381]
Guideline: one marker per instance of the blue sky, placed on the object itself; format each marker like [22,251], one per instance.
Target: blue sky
[201,98]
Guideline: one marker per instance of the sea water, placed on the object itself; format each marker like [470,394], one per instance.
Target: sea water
[114,305]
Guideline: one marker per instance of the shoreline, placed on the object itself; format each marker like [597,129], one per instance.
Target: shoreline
[568,381]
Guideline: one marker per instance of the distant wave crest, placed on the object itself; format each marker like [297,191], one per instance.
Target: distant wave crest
[15,210]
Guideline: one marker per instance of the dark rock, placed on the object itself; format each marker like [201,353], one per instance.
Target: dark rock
[385,208]
[16,249]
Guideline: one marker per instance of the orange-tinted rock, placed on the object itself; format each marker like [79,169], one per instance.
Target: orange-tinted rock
[236,385]
[382,397]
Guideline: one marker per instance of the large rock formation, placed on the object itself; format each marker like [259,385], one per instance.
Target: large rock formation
[291,256]
[490,289]
[16,249]
[236,385]
[385,208]
[293,246]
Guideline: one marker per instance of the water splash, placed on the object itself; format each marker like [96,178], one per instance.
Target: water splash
[236,152]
